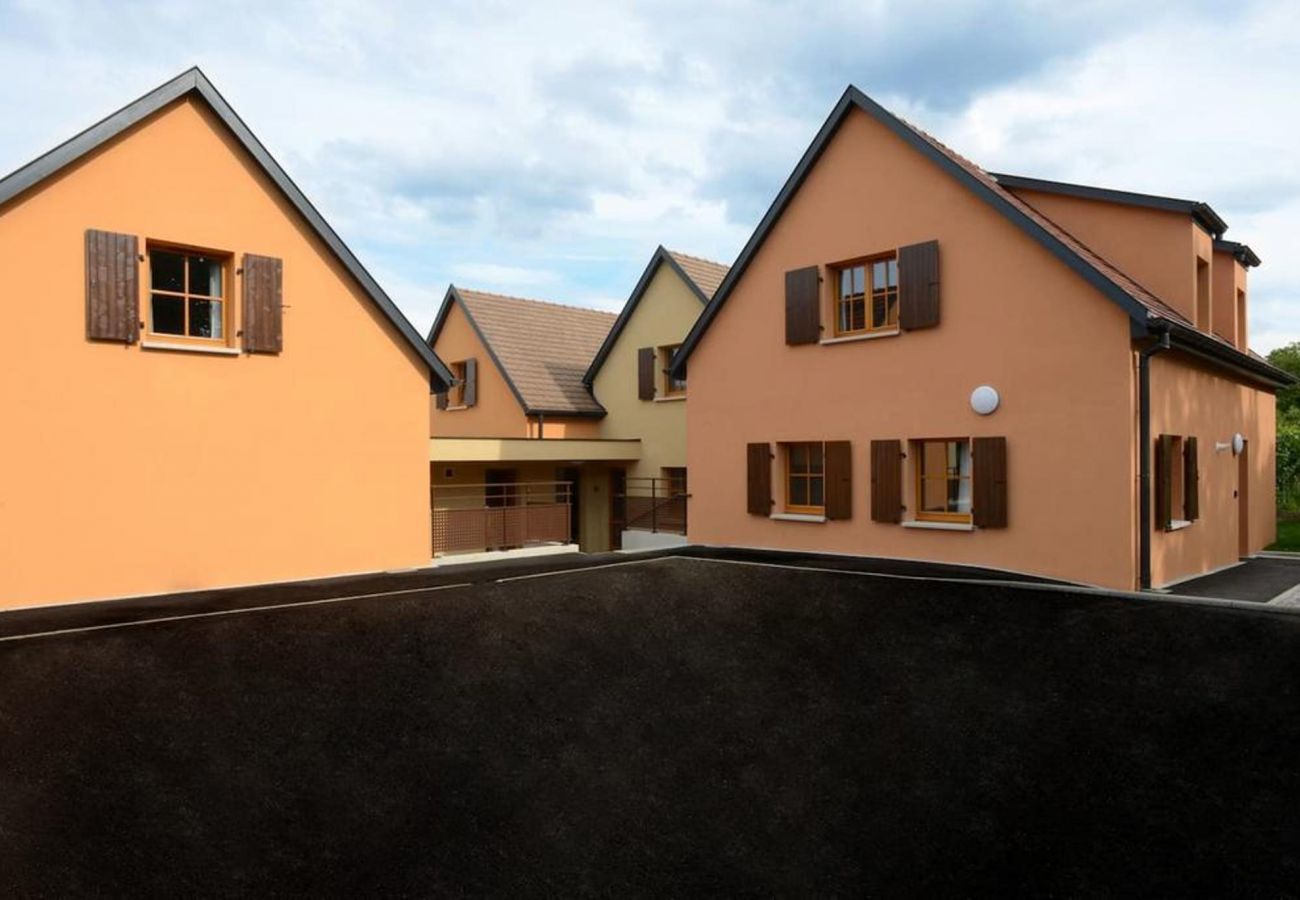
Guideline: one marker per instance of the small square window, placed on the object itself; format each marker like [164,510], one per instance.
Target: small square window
[866,296]
[943,480]
[187,295]
[805,479]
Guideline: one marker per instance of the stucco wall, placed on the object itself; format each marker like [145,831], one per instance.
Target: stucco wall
[1229,277]
[127,471]
[1188,399]
[664,315]
[1156,247]
[1012,316]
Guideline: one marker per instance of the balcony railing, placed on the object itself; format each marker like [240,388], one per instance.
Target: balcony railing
[471,518]
[653,504]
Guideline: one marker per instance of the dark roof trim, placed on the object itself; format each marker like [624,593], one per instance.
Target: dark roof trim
[1204,215]
[1242,252]
[660,257]
[855,98]
[1225,356]
[193,81]
[453,297]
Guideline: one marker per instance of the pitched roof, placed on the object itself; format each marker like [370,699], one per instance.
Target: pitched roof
[193,82]
[706,273]
[1201,212]
[1146,311]
[540,348]
[702,276]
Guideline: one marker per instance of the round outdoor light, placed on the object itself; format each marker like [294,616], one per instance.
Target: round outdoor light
[984,399]
[1238,444]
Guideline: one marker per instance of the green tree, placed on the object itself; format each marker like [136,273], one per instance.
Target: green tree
[1288,399]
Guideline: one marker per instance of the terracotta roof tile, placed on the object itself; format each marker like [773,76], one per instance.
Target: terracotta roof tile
[706,274]
[544,347]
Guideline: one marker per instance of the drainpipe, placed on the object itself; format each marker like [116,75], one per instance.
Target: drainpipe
[1144,455]
[541,425]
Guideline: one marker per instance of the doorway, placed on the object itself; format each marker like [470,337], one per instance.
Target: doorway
[1243,501]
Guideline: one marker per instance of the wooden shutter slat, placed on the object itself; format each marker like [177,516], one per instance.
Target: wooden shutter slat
[989,474]
[803,306]
[1164,481]
[918,286]
[263,288]
[1191,481]
[470,393]
[839,480]
[887,481]
[758,473]
[112,286]
[645,373]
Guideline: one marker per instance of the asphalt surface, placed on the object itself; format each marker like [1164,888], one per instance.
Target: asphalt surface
[1257,580]
[670,726]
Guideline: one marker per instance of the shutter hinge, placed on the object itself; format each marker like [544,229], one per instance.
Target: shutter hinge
[239,271]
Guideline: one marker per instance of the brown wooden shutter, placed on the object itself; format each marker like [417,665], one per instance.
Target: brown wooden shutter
[263,301]
[918,286]
[839,480]
[470,392]
[758,467]
[645,373]
[112,287]
[1191,481]
[1164,481]
[441,397]
[989,474]
[887,481]
[803,306]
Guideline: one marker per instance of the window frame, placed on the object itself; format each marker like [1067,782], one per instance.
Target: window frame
[807,509]
[456,390]
[867,263]
[666,381]
[919,477]
[225,259]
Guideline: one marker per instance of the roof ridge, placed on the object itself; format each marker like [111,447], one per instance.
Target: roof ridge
[516,299]
[702,259]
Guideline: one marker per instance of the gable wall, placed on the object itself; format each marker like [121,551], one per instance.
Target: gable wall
[128,471]
[497,412]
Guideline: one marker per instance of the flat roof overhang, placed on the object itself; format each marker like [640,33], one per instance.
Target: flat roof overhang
[457,449]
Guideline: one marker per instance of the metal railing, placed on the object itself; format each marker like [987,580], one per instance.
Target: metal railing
[501,516]
[653,504]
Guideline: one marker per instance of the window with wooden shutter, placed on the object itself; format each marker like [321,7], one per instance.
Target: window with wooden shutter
[441,398]
[1164,481]
[112,287]
[989,457]
[1191,481]
[839,480]
[645,373]
[263,282]
[887,481]
[918,286]
[803,306]
[469,394]
[758,469]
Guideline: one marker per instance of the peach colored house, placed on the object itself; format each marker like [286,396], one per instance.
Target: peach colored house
[211,389]
[914,358]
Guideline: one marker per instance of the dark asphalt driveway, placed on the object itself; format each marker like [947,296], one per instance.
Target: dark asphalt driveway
[671,726]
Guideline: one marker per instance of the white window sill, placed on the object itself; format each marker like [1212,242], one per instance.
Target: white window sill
[796,517]
[670,399]
[869,336]
[455,408]
[1178,525]
[217,349]
[939,526]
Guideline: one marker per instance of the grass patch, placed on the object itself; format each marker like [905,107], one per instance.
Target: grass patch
[1288,535]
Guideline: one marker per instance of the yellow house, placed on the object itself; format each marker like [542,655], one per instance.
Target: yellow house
[211,390]
[630,377]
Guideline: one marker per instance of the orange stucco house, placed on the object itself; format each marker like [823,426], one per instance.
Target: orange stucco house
[211,389]
[915,358]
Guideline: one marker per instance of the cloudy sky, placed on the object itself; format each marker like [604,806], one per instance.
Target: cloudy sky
[545,149]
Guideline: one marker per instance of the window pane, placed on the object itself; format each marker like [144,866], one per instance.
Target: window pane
[934,496]
[168,315]
[798,492]
[879,311]
[846,283]
[815,457]
[798,457]
[892,313]
[815,492]
[879,276]
[859,279]
[205,276]
[892,266]
[168,271]
[205,318]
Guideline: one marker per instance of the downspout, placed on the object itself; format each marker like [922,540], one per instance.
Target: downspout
[1144,455]
[541,425]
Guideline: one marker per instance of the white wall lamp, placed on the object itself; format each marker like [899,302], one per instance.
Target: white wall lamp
[1236,445]
[984,400]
